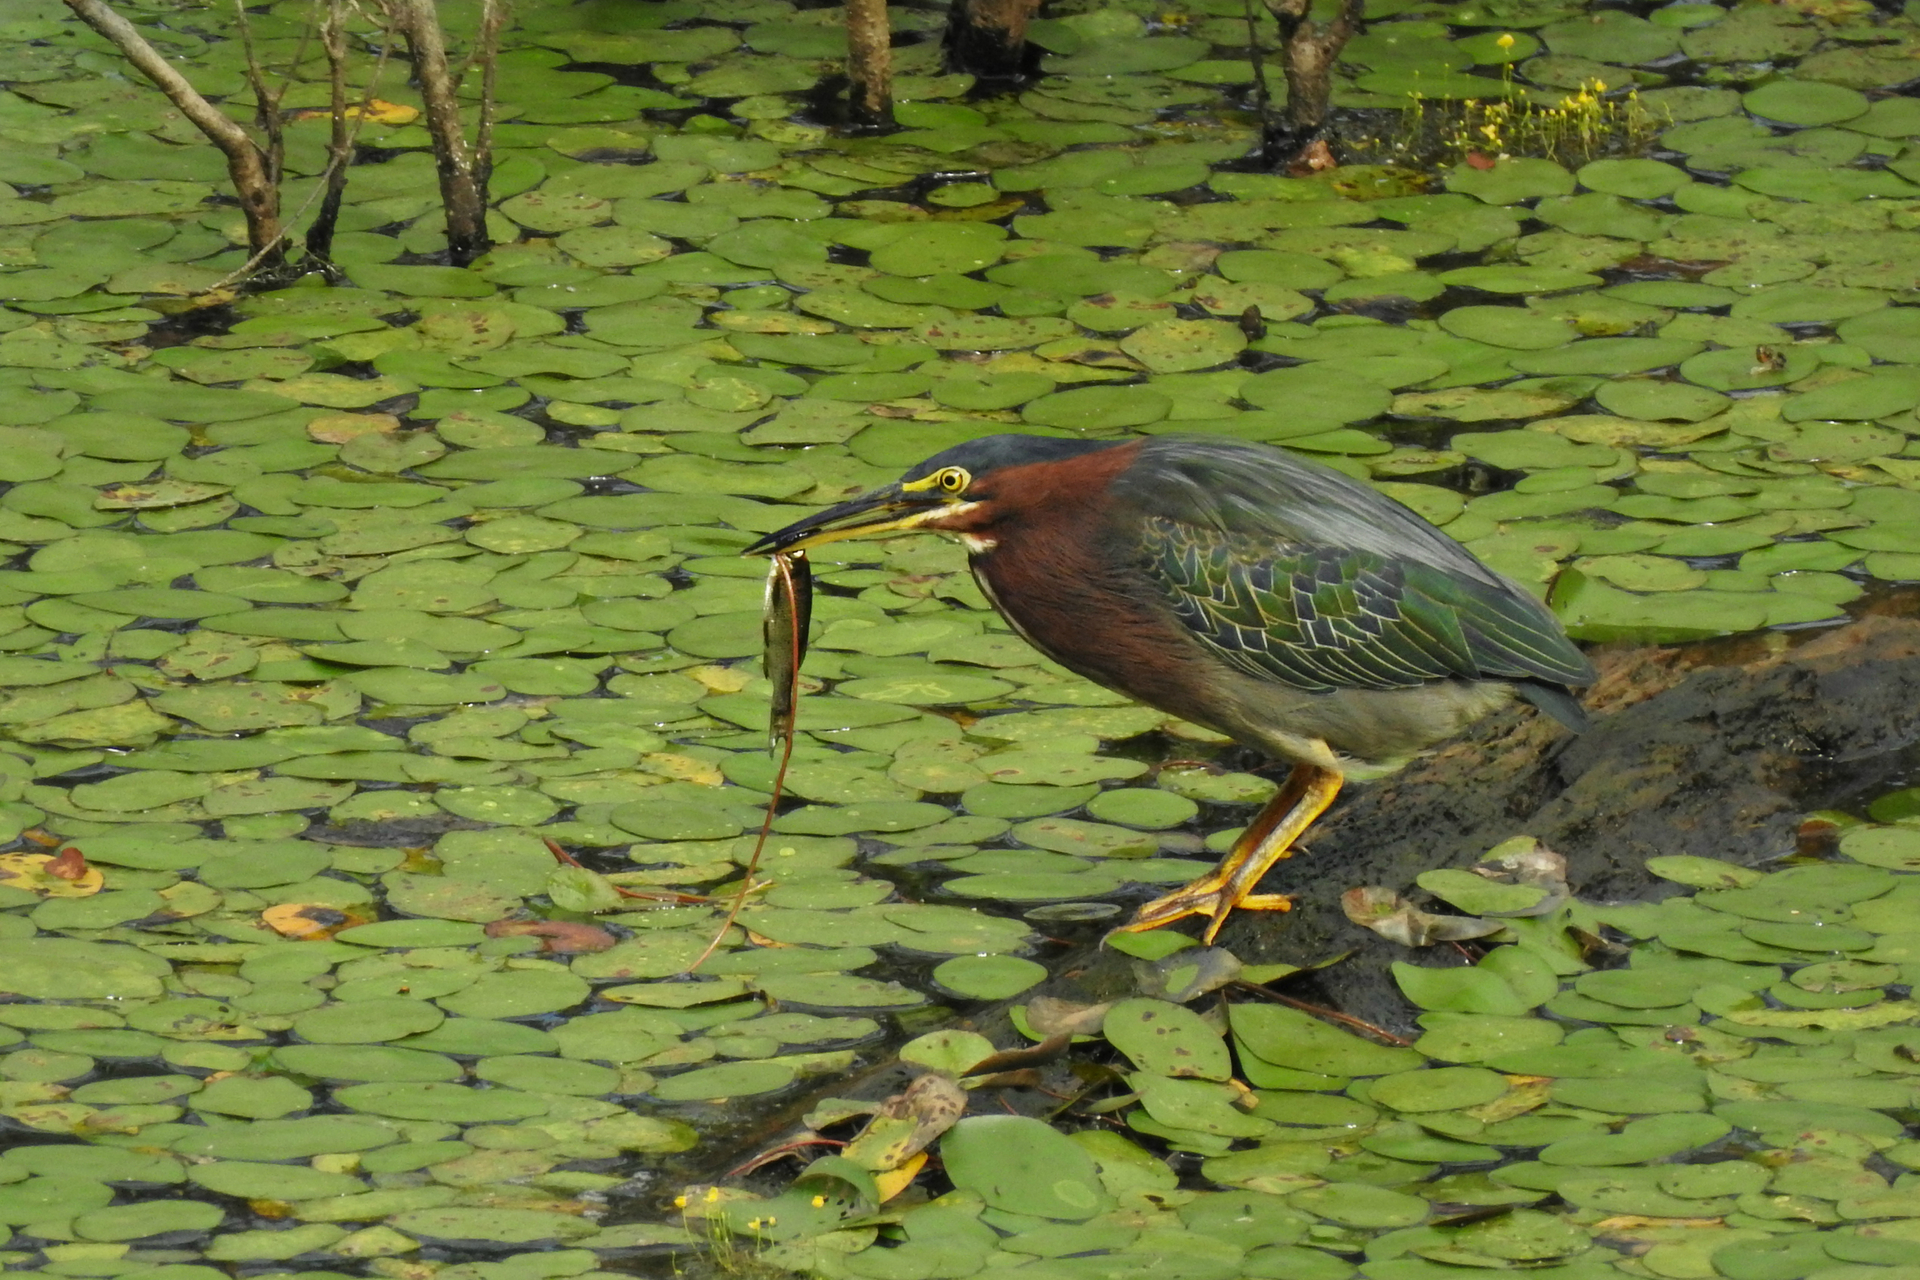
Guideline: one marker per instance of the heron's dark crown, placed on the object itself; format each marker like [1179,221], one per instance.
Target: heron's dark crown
[989,453]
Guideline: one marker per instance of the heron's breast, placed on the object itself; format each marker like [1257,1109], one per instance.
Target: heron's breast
[1080,601]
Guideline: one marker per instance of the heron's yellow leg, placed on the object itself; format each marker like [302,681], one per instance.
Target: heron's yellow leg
[1305,795]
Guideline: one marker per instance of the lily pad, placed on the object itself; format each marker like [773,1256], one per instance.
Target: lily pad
[1023,1166]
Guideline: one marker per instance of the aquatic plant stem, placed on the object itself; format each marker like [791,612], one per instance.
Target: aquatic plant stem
[1381,1034]
[266,103]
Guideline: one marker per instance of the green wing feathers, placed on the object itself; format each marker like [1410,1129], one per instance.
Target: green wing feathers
[1320,618]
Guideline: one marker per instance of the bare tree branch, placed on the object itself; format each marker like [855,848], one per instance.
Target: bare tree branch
[493,20]
[988,38]
[1309,51]
[869,64]
[462,188]
[266,103]
[333,40]
[248,166]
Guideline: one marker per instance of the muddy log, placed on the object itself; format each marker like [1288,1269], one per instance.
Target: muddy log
[988,38]
[1715,749]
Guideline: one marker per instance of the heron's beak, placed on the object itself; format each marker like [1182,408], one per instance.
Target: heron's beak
[890,509]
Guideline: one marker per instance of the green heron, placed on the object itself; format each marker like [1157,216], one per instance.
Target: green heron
[1265,597]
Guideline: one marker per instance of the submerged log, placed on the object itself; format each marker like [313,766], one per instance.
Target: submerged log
[1716,750]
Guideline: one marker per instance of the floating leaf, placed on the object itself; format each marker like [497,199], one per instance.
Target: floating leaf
[1166,1039]
[1023,1166]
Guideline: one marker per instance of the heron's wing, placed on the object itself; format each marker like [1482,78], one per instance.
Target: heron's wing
[1319,617]
[1267,495]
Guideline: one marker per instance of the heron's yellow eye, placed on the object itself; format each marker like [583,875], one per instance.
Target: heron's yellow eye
[953,479]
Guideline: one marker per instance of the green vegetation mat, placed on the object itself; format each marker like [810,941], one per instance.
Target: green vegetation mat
[324,607]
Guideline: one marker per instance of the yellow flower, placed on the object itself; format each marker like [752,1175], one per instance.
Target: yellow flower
[713,1195]
[1505,41]
[819,1202]
[679,1202]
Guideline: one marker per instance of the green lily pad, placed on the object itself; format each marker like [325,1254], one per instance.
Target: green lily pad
[1097,408]
[988,977]
[1639,1142]
[1438,1088]
[1288,1038]
[1166,1039]
[368,1021]
[1176,346]
[1897,848]
[1023,1166]
[1352,1204]
[1514,327]
[1804,102]
[136,1221]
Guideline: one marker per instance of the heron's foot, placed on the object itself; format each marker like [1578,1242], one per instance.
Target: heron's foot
[1212,896]
[1304,796]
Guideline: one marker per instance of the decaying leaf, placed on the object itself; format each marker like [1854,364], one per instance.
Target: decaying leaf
[562,936]
[1053,1048]
[69,864]
[1398,920]
[309,922]
[908,1122]
[338,428]
[1050,1015]
[892,1182]
[48,875]
[1523,860]
[376,110]
[1187,975]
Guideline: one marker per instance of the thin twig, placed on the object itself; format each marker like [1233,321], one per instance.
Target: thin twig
[493,20]
[781,1152]
[566,859]
[1261,97]
[326,182]
[1328,1015]
[333,183]
[266,113]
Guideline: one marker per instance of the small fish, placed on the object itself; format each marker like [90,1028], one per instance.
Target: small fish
[784,627]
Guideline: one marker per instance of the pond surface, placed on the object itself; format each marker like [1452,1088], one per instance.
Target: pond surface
[326,607]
